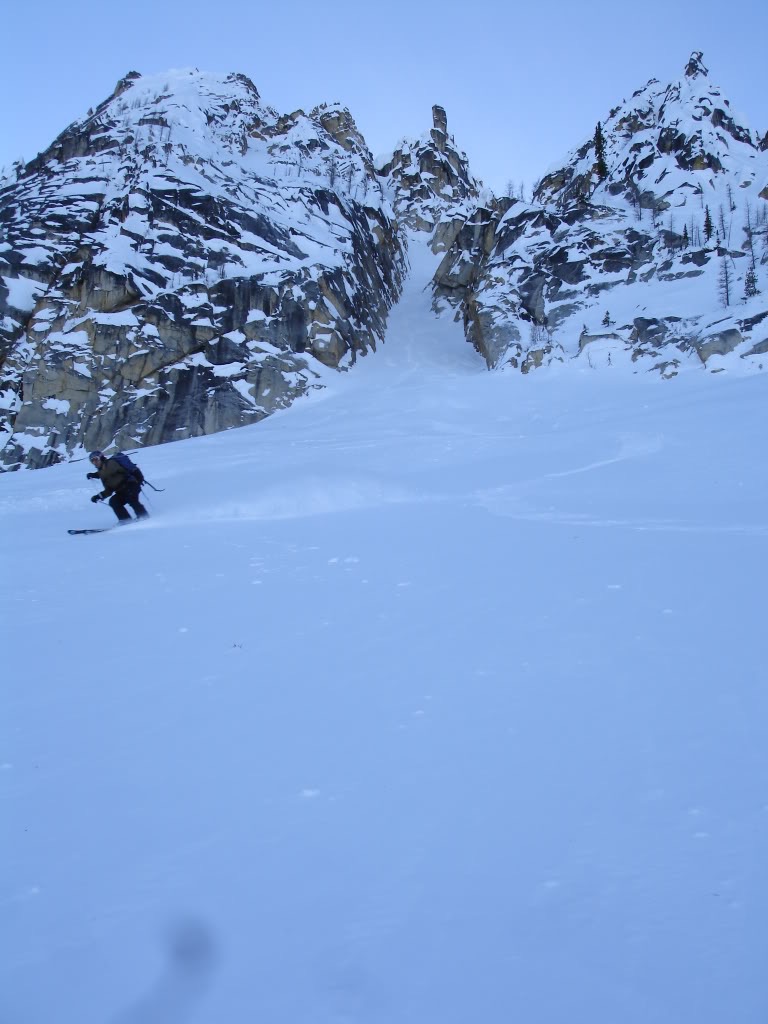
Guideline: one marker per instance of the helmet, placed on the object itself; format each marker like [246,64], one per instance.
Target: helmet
[96,457]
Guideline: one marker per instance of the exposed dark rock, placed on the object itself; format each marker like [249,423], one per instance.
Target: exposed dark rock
[542,269]
[717,344]
[182,292]
[695,66]
[430,180]
[164,277]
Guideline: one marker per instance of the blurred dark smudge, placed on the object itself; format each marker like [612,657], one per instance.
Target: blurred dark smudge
[191,961]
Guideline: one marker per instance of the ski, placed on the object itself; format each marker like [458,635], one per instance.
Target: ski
[98,529]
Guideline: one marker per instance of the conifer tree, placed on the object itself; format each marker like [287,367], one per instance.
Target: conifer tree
[707,224]
[600,165]
[333,170]
[750,283]
[686,240]
[726,280]
[750,233]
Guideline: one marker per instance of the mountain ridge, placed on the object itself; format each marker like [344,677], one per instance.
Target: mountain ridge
[673,158]
[186,259]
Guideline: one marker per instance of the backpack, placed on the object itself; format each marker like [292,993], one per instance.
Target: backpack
[130,467]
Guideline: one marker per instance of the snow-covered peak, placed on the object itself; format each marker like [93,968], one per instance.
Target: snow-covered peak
[651,238]
[667,146]
[431,184]
[202,109]
[185,259]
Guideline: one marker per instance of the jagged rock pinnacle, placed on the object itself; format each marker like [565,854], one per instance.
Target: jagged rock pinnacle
[695,65]
[439,131]
[440,119]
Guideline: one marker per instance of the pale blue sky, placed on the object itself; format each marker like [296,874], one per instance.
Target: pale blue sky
[521,85]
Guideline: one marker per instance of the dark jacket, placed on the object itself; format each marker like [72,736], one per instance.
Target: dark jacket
[114,477]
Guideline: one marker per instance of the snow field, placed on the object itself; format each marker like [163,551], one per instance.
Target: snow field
[437,697]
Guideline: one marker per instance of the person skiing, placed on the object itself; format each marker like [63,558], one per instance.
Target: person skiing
[122,484]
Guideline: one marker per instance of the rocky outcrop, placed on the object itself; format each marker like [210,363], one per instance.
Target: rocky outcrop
[186,260]
[602,250]
[430,184]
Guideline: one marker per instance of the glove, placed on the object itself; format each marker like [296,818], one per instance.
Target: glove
[92,476]
[96,497]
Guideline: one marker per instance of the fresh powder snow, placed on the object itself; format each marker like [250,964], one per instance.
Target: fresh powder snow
[438,697]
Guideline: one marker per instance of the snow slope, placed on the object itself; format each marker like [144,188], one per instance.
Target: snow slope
[437,697]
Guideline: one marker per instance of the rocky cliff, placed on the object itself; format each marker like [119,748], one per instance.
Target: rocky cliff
[648,246]
[430,184]
[185,259]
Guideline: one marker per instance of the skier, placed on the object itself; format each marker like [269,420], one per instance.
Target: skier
[122,484]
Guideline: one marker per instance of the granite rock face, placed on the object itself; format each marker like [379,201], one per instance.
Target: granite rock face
[186,260]
[668,231]
[430,183]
